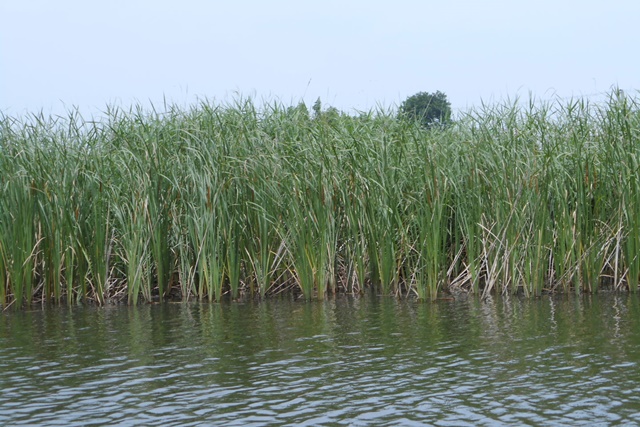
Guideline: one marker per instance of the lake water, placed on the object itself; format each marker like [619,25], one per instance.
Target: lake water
[349,361]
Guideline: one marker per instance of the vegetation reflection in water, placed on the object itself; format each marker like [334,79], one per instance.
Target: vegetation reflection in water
[214,199]
[562,360]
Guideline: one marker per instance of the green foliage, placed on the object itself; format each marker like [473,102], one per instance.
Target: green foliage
[232,200]
[430,109]
[330,114]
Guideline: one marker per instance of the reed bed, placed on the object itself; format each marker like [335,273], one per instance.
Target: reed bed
[240,199]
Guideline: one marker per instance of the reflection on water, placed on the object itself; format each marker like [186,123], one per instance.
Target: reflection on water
[561,360]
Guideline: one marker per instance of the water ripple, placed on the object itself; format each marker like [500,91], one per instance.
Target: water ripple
[354,365]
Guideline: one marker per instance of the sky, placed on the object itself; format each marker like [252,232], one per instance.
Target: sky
[354,55]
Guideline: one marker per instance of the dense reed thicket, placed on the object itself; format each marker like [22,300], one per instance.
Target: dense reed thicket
[241,199]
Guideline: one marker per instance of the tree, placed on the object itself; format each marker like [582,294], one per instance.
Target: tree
[317,108]
[328,115]
[428,108]
[301,112]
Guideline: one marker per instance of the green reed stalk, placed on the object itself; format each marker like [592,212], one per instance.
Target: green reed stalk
[134,242]
[515,198]
[17,231]
[259,253]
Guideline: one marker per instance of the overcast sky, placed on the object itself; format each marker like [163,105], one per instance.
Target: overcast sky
[355,55]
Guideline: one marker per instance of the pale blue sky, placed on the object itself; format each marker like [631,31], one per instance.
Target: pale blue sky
[353,54]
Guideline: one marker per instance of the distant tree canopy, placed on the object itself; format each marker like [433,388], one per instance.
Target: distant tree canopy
[328,114]
[317,112]
[428,108]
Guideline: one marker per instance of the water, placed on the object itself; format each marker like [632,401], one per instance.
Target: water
[550,361]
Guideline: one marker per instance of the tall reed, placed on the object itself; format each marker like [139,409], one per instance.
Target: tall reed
[244,199]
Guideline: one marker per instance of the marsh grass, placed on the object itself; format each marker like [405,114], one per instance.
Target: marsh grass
[239,199]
